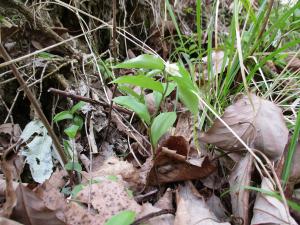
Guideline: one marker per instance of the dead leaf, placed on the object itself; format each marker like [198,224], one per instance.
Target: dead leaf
[239,178]
[5,221]
[52,198]
[263,128]
[217,58]
[9,133]
[171,164]
[215,205]
[10,193]
[294,64]
[77,215]
[295,170]
[184,126]
[30,209]
[269,210]
[107,198]
[192,209]
[114,167]
[165,219]
[150,102]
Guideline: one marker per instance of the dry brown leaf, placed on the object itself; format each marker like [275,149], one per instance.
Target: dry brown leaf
[114,166]
[192,209]
[170,163]
[52,198]
[9,133]
[10,193]
[295,170]
[184,126]
[215,205]
[5,221]
[30,209]
[107,198]
[150,102]
[263,129]
[269,210]
[217,58]
[239,178]
[78,215]
[294,64]
[165,219]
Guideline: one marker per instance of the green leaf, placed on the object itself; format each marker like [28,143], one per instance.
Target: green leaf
[112,178]
[145,61]
[122,218]
[78,121]
[128,91]
[73,166]
[132,104]
[187,94]
[71,131]
[76,107]
[161,124]
[77,189]
[141,81]
[64,115]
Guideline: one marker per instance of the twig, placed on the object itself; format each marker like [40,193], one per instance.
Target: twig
[85,99]
[151,215]
[35,104]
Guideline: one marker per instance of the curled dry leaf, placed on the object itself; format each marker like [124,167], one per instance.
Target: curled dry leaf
[184,126]
[239,178]
[217,60]
[260,125]
[269,210]
[192,209]
[31,209]
[170,163]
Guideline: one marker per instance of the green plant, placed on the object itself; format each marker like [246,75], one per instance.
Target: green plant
[122,218]
[75,125]
[161,78]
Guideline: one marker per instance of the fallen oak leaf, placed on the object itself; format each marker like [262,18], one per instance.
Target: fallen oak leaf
[260,124]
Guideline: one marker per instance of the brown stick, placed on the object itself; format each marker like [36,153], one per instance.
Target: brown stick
[35,104]
[85,99]
[151,215]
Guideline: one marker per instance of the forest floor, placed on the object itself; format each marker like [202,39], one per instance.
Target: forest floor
[149,112]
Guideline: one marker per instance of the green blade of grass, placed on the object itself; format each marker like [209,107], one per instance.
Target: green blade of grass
[291,151]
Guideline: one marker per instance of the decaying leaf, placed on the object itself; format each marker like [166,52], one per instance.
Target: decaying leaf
[9,133]
[113,166]
[107,198]
[192,209]
[215,205]
[5,221]
[217,58]
[171,164]
[239,178]
[295,170]
[269,210]
[165,219]
[30,209]
[10,194]
[261,127]
[184,125]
